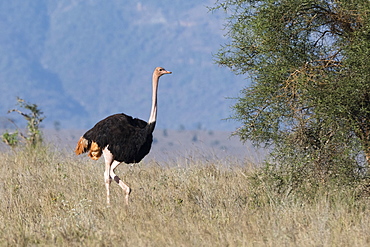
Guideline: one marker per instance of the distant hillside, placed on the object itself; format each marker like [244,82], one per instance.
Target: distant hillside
[83,60]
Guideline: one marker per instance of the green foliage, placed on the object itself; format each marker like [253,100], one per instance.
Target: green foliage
[10,139]
[308,61]
[34,118]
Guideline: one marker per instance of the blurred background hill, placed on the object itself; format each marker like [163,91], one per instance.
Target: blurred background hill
[82,60]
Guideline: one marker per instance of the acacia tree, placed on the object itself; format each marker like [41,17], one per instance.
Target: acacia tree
[309,65]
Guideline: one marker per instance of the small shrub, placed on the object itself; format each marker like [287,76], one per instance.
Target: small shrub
[34,118]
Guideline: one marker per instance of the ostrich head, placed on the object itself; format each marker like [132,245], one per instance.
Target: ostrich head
[159,71]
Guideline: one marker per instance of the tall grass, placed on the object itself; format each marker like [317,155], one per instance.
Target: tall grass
[50,198]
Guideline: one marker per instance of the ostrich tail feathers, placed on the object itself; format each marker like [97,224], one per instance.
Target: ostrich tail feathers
[82,146]
[95,151]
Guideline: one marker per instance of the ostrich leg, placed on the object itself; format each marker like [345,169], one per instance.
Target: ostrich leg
[110,165]
[108,158]
[124,186]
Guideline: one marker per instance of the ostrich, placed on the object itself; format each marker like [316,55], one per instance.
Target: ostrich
[121,138]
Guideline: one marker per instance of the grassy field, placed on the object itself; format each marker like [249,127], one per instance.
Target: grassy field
[49,198]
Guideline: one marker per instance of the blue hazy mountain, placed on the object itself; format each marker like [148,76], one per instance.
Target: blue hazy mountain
[82,60]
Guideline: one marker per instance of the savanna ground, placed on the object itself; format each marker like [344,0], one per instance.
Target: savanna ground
[51,198]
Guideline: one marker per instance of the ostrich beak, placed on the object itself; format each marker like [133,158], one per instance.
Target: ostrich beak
[168,72]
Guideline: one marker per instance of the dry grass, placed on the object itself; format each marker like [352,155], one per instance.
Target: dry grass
[50,199]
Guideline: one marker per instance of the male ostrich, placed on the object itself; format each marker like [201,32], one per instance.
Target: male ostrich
[121,138]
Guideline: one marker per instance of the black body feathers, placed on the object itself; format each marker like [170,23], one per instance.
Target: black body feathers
[128,139]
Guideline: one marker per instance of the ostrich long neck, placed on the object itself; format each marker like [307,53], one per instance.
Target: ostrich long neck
[153,113]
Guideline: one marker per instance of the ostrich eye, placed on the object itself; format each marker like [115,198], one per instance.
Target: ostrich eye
[160,69]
